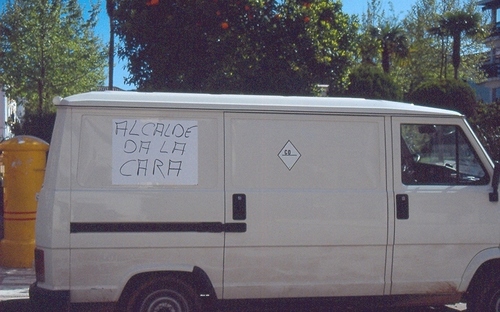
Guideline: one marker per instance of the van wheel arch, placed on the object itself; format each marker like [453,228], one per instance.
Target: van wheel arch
[485,283]
[196,281]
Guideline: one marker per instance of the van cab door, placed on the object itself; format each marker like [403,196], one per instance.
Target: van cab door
[443,216]
[312,193]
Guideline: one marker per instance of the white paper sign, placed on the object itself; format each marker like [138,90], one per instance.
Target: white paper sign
[155,152]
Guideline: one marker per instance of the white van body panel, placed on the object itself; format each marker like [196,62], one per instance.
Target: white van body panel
[112,268]
[303,217]
[318,179]
[56,187]
[448,235]
[94,194]
[52,227]
[198,101]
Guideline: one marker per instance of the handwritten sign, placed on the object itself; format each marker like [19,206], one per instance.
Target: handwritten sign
[155,152]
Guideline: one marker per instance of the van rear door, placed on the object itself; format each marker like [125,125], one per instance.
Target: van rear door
[312,192]
[443,216]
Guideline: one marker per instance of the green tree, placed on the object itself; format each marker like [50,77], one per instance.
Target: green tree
[48,49]
[393,42]
[368,44]
[166,47]
[369,81]
[250,46]
[458,23]
[383,41]
[430,50]
[448,94]
[443,38]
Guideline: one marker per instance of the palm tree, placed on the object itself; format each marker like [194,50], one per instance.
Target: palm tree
[443,38]
[393,41]
[456,23]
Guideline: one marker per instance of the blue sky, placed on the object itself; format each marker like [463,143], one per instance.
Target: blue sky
[349,6]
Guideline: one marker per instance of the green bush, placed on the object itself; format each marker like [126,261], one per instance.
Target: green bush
[368,81]
[446,93]
[487,127]
[37,125]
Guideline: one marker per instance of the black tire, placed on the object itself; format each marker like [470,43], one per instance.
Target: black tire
[487,297]
[163,294]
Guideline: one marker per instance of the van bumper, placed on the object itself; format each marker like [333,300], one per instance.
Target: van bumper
[48,300]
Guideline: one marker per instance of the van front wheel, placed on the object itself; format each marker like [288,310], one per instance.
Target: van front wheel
[163,294]
[487,299]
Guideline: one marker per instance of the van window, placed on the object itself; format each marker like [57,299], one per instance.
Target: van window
[438,154]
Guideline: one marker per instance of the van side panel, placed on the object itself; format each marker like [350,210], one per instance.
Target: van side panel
[316,206]
[155,221]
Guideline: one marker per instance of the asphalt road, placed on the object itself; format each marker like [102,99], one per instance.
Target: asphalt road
[22,305]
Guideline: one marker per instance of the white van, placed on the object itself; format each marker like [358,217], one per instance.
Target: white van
[192,202]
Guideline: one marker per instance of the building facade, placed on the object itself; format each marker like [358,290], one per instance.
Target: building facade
[8,113]
[492,65]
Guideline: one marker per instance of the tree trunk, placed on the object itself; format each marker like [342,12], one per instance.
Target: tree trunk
[386,59]
[111,54]
[110,7]
[456,54]
[41,81]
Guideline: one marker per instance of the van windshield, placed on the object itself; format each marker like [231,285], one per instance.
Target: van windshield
[439,154]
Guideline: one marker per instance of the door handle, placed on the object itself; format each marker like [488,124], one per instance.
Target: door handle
[402,207]
[239,207]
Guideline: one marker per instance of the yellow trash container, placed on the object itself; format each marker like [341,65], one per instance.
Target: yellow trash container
[24,159]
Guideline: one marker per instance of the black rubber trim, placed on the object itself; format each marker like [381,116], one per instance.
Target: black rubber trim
[155,227]
[48,300]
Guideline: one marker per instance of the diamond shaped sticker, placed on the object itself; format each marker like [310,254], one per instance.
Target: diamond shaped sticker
[289,155]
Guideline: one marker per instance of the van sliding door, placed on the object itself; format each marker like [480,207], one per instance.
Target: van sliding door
[309,195]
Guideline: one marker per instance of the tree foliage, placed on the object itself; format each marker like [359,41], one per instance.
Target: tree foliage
[428,30]
[369,81]
[455,24]
[48,49]
[488,127]
[430,43]
[446,93]
[393,42]
[236,46]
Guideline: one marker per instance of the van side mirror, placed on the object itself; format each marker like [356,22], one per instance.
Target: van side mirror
[494,183]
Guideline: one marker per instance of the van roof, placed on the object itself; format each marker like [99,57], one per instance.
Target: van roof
[236,102]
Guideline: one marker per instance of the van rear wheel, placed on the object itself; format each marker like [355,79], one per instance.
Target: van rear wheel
[163,294]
